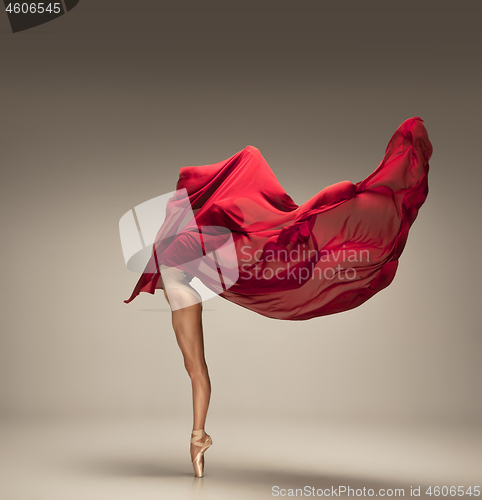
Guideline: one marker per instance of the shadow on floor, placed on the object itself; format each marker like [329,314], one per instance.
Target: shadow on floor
[247,482]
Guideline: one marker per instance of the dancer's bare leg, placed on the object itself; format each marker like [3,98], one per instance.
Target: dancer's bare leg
[187,324]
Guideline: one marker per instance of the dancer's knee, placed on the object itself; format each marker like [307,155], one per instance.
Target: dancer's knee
[196,370]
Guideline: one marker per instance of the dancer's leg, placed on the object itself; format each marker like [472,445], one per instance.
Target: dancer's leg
[187,324]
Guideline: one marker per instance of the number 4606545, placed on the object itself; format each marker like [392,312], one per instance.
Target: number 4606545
[34,8]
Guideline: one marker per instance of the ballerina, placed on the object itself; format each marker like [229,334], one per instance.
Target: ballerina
[232,226]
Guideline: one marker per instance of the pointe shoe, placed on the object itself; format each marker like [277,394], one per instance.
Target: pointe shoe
[197,463]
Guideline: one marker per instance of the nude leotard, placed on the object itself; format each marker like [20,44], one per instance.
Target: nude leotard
[179,292]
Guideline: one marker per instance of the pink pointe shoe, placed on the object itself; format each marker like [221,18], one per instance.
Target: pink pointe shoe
[198,463]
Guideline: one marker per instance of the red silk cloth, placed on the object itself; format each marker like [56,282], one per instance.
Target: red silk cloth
[328,255]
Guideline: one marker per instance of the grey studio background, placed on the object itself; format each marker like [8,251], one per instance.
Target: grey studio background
[101,107]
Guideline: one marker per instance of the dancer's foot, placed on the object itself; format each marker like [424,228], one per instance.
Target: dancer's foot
[200,442]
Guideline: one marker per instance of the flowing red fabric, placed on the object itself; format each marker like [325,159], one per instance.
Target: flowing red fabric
[328,255]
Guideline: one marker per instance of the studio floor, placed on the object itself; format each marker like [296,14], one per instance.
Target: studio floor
[146,459]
